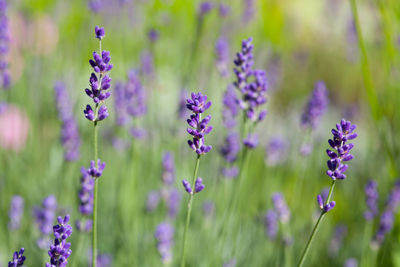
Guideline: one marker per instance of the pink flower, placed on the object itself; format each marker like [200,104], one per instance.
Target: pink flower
[15,125]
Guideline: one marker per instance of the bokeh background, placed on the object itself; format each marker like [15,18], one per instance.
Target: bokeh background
[296,42]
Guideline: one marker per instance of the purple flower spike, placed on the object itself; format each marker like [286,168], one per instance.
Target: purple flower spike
[153,35]
[187,186]
[60,250]
[16,212]
[322,206]
[224,10]
[343,132]
[18,258]
[251,141]
[205,7]
[165,241]
[222,56]
[5,77]
[86,193]
[316,106]
[153,198]
[231,147]
[281,207]
[198,127]
[198,186]
[271,224]
[99,32]
[371,199]
[45,215]
[96,172]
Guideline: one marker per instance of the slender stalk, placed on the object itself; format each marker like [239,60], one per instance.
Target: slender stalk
[189,212]
[315,229]
[94,233]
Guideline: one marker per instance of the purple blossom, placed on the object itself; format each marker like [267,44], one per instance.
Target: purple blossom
[222,56]
[224,10]
[60,250]
[18,257]
[5,78]
[337,240]
[86,193]
[96,171]
[173,201]
[230,172]
[153,35]
[371,199]
[231,147]
[198,127]
[251,141]
[325,207]
[45,215]
[153,199]
[341,154]
[252,84]
[95,5]
[231,108]
[168,166]
[103,260]
[316,106]
[205,7]
[271,224]
[281,207]
[120,104]
[351,262]
[70,138]
[165,241]
[248,10]
[147,62]
[276,151]
[187,186]
[99,86]
[135,95]
[208,208]
[198,186]
[16,212]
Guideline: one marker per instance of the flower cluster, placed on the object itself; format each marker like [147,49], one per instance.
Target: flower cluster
[198,186]
[60,250]
[205,7]
[198,127]
[231,108]
[325,207]
[271,224]
[165,240]
[44,217]
[5,77]
[222,56]
[99,85]
[343,133]
[276,151]
[387,218]
[70,138]
[229,151]
[316,106]
[252,84]
[279,213]
[18,258]
[94,171]
[371,199]
[16,212]
[86,199]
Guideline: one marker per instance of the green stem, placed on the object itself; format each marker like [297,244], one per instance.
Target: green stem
[94,233]
[314,231]
[189,212]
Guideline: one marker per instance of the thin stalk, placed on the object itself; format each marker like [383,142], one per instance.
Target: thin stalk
[196,168]
[315,229]
[94,233]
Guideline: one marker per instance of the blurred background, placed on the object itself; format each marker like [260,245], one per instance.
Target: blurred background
[167,49]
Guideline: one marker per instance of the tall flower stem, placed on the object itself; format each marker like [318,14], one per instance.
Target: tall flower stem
[94,232]
[314,231]
[196,168]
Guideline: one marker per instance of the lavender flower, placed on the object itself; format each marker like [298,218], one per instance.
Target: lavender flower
[271,224]
[281,208]
[120,104]
[86,198]
[230,172]
[222,56]
[224,10]
[94,171]
[95,5]
[205,7]
[231,108]
[45,215]
[70,138]
[248,10]
[343,133]
[60,249]
[182,109]
[208,208]
[168,174]
[251,141]
[316,106]
[153,35]
[165,240]
[337,240]
[276,151]
[325,207]
[173,202]
[198,186]
[5,78]
[147,62]
[104,260]
[16,212]
[99,85]
[371,199]
[231,147]
[198,127]
[18,258]
[135,96]
[351,262]
[153,198]
[252,84]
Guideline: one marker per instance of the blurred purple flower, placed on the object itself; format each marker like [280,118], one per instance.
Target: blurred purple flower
[316,106]
[271,224]
[168,166]
[5,77]
[222,56]
[351,262]
[336,242]
[251,141]
[173,202]
[230,172]
[371,199]
[281,207]
[44,216]
[16,212]
[224,10]
[60,250]
[18,257]
[95,5]
[147,62]
[208,208]
[153,35]
[231,147]
[231,108]
[153,198]
[248,10]
[86,193]
[205,7]
[165,241]
[276,151]
[230,263]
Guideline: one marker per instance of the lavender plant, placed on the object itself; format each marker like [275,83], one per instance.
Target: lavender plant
[5,77]
[343,133]
[60,250]
[18,258]
[85,196]
[100,83]
[165,240]
[198,129]
[44,217]
[16,212]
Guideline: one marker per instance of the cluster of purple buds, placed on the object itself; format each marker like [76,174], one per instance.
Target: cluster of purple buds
[387,218]
[251,83]
[198,186]
[205,7]
[229,151]
[325,207]
[371,199]
[45,215]
[248,10]
[94,171]
[18,258]
[5,77]
[222,56]
[60,250]
[276,151]
[231,108]
[343,133]
[85,199]
[70,138]
[16,212]
[251,141]
[316,106]
[199,127]
[224,10]
[99,85]
[165,240]
[271,224]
